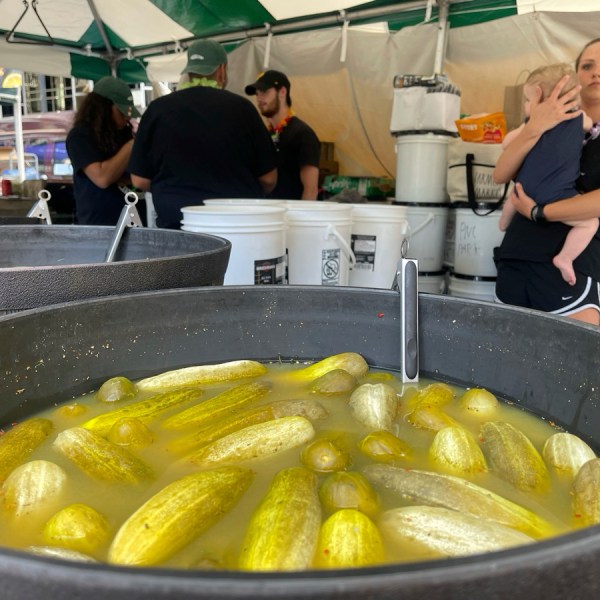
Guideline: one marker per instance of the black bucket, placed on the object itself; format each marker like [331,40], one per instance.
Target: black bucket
[44,265]
[546,364]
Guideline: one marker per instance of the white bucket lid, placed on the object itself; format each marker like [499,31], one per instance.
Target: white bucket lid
[378,213]
[240,201]
[226,217]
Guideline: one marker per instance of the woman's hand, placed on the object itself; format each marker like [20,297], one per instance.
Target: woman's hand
[521,201]
[545,115]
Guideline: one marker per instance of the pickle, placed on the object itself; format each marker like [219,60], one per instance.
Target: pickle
[479,402]
[218,406]
[17,443]
[454,450]
[178,514]
[434,394]
[99,458]
[71,410]
[382,446]
[202,375]
[324,456]
[337,381]
[34,486]
[447,532]
[255,441]
[61,553]
[283,530]
[348,539]
[513,457]
[375,405]
[448,491]
[145,410]
[130,433]
[116,389]
[310,409]
[348,489]
[77,527]
[585,492]
[430,416]
[566,453]
[351,362]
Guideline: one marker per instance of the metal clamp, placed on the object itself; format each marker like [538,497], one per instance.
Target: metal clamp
[129,218]
[40,209]
[406,283]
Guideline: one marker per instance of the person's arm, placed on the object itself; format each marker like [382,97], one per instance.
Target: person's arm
[141,183]
[309,176]
[583,206]
[543,116]
[268,181]
[106,172]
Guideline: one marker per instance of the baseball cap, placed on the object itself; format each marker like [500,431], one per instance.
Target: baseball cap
[269,79]
[118,92]
[204,56]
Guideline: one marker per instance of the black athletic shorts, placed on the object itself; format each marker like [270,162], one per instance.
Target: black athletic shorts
[541,286]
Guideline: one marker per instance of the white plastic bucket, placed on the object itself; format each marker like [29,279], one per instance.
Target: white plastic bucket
[427,236]
[421,168]
[257,236]
[318,243]
[475,288]
[432,283]
[378,233]
[450,244]
[476,235]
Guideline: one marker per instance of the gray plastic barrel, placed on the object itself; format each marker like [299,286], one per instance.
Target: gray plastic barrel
[543,363]
[42,265]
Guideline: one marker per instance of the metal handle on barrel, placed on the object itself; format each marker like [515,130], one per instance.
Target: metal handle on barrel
[406,283]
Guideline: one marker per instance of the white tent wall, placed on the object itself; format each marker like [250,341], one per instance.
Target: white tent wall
[348,103]
[485,59]
[35,59]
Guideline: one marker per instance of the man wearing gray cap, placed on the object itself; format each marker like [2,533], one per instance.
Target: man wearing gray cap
[201,142]
[298,148]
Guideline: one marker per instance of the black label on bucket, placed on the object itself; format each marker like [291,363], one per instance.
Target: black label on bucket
[271,271]
[363,247]
[330,271]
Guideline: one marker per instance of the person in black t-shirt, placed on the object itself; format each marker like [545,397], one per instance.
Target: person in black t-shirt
[298,148]
[99,146]
[526,275]
[201,142]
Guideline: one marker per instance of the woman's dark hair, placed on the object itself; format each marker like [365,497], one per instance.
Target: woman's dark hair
[578,59]
[95,111]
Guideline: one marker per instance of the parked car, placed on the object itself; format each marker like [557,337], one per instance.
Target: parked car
[44,136]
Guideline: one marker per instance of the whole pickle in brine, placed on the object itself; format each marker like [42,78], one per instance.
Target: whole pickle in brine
[375,405]
[456,451]
[348,489]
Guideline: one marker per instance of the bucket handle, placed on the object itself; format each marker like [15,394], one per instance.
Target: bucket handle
[422,225]
[331,230]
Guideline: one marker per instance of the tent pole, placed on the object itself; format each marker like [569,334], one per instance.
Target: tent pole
[442,37]
[19,138]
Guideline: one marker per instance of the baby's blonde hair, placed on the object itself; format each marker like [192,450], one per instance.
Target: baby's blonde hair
[548,76]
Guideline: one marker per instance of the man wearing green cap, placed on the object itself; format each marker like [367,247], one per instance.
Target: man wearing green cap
[201,141]
[99,146]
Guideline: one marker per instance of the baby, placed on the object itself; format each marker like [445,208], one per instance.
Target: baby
[551,168]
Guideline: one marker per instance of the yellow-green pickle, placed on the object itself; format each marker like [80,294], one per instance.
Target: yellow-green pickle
[245,466]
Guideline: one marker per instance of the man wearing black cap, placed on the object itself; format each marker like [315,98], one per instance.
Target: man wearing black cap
[298,148]
[201,141]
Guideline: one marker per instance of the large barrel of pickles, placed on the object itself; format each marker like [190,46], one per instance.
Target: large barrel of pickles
[42,265]
[545,364]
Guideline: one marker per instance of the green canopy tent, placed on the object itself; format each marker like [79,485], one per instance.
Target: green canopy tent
[92,38]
